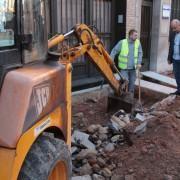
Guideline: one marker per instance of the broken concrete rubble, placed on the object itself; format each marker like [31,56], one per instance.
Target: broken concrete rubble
[101,162]
[92,128]
[168,177]
[117,177]
[117,123]
[86,177]
[141,128]
[129,177]
[92,100]
[109,147]
[97,177]
[106,172]
[140,117]
[177,114]
[133,162]
[83,139]
[164,103]
[126,119]
[116,138]
[74,149]
[85,169]
[103,130]
[86,153]
[159,113]
[79,115]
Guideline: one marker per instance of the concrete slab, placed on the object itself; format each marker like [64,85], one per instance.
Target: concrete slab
[159,77]
[155,87]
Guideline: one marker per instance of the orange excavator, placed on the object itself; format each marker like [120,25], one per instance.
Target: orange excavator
[35,94]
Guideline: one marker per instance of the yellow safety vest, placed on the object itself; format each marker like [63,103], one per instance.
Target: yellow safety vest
[124,54]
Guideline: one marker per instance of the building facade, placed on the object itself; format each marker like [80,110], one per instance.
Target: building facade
[113,19]
[152,19]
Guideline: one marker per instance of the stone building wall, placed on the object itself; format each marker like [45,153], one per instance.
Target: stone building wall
[133,15]
[160,31]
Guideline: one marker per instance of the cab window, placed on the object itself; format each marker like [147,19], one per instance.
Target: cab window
[7,22]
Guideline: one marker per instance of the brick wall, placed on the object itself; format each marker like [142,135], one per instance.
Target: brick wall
[133,15]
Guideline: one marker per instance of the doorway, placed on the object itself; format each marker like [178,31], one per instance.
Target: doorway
[118,20]
[146,27]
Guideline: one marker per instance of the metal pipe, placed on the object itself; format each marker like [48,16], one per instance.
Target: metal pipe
[57,39]
[69,33]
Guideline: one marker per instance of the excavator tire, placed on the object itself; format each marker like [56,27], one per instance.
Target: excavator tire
[48,159]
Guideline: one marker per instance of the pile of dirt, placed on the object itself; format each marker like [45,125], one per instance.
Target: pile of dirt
[154,155]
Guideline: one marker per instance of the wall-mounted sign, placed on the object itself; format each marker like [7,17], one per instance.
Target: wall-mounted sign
[166,11]
[120,19]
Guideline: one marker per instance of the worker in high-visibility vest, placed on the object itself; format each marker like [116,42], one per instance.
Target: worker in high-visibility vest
[130,54]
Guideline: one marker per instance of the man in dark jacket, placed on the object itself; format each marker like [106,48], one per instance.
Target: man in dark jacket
[174,29]
[174,52]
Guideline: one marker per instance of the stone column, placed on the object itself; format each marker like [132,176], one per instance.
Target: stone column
[160,37]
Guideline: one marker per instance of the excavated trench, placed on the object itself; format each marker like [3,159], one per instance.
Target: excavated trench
[155,153]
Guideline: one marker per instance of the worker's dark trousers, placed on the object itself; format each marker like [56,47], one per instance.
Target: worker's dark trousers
[176,69]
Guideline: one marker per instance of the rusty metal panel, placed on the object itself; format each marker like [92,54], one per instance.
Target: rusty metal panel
[29,93]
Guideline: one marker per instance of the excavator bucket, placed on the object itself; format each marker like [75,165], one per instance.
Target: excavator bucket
[125,102]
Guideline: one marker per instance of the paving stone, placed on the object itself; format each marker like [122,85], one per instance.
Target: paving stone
[168,177]
[97,177]
[129,177]
[92,128]
[86,177]
[115,138]
[79,115]
[141,128]
[117,123]
[106,172]
[109,147]
[140,117]
[117,177]
[85,169]
[83,139]
[86,153]
[101,162]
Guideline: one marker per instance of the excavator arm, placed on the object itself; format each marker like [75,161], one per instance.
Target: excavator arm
[92,46]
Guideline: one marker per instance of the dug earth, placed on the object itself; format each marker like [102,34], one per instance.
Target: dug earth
[119,146]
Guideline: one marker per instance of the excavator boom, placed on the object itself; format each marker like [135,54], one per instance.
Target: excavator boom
[92,46]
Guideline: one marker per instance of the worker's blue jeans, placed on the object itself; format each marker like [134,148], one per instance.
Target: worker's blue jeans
[130,75]
[176,69]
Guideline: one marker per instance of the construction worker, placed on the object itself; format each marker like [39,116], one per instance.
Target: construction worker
[130,54]
[174,52]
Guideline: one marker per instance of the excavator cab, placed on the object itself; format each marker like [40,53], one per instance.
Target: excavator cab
[35,93]
[35,97]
